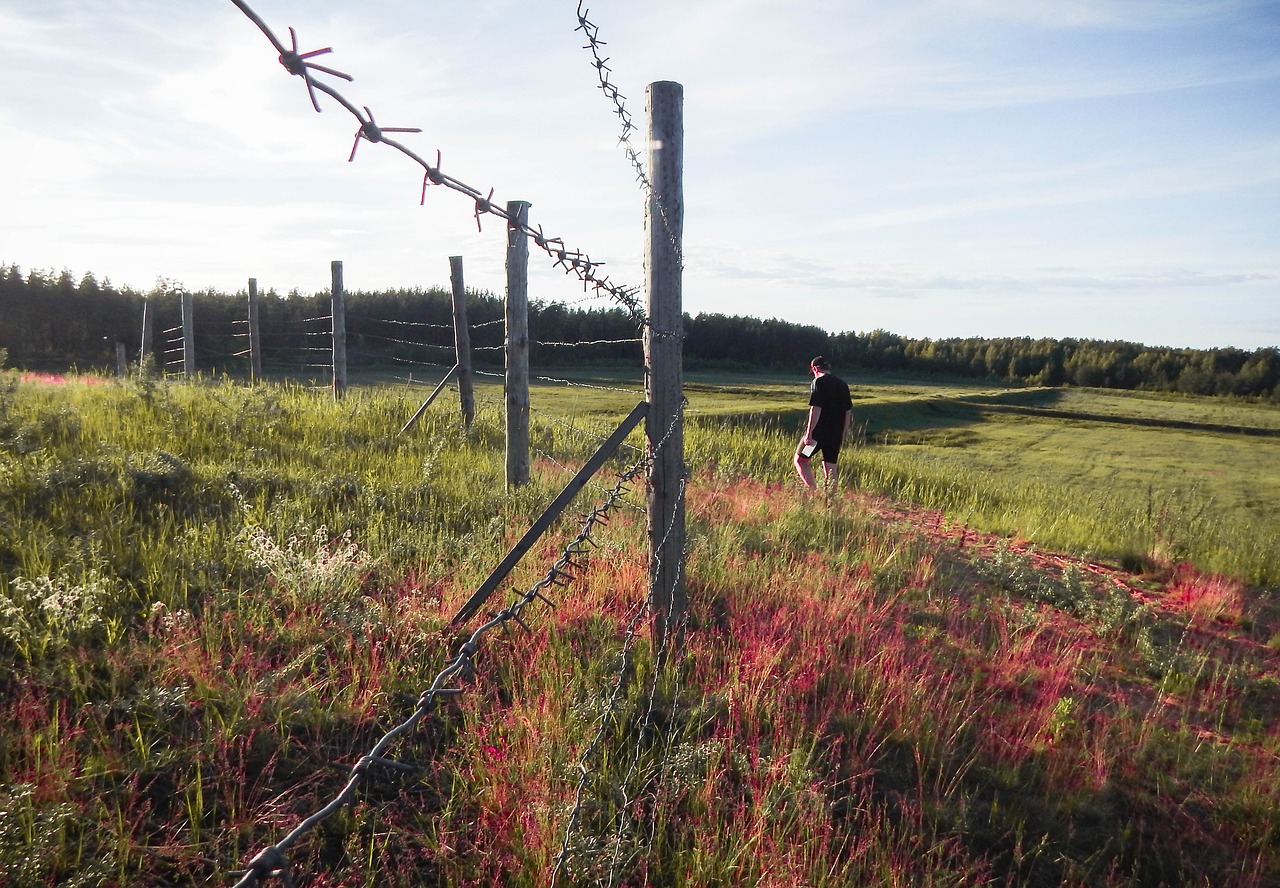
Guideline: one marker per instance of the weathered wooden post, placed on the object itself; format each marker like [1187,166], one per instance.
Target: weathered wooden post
[255,334]
[148,322]
[517,350]
[663,348]
[188,334]
[339,332]
[462,342]
[122,361]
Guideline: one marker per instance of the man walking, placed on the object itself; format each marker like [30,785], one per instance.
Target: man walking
[830,411]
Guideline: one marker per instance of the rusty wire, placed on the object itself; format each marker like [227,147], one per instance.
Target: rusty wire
[592,757]
[594,44]
[273,860]
[571,261]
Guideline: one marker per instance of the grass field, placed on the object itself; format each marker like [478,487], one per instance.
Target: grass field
[215,598]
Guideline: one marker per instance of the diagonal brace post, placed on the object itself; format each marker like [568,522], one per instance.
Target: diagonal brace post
[558,505]
[427,403]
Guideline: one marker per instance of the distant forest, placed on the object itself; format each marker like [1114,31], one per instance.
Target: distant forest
[52,321]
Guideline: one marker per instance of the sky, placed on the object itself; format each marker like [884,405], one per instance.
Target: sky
[1094,169]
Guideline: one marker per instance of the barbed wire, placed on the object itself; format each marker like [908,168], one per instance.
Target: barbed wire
[587,342]
[591,753]
[273,860]
[572,261]
[409,380]
[423,324]
[555,420]
[547,457]
[611,92]
[393,340]
[586,385]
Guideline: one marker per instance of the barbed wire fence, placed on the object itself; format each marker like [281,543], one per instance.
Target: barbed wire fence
[661,463]
[611,92]
[572,261]
[273,860]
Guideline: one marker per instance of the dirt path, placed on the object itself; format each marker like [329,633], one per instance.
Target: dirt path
[1210,604]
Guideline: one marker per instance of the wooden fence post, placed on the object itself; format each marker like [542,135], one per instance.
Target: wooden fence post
[517,350]
[663,347]
[462,342]
[148,322]
[122,362]
[255,334]
[339,332]
[188,334]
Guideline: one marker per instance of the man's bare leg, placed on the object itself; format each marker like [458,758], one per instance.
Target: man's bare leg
[805,471]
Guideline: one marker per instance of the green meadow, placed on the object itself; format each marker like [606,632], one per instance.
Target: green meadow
[1031,640]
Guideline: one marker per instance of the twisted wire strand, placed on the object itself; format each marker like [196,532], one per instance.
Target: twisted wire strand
[592,32]
[669,740]
[571,261]
[587,385]
[555,420]
[376,338]
[273,861]
[406,362]
[424,324]
[609,710]
[409,380]
[593,485]
[587,342]
[586,770]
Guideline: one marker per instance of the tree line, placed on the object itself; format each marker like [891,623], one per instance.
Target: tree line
[51,320]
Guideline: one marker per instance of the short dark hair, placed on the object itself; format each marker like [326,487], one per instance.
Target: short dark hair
[820,362]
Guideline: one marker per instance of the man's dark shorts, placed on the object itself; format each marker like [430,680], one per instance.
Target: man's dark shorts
[830,448]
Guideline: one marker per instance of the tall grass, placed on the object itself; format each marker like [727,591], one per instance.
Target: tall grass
[218,597]
[1136,525]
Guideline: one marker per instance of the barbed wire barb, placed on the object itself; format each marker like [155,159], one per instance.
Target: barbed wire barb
[370,130]
[298,64]
[618,100]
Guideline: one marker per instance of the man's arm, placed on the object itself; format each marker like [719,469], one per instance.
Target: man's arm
[814,413]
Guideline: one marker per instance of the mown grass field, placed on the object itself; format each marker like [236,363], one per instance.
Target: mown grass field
[216,598]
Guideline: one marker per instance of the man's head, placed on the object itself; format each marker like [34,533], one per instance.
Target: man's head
[819,365]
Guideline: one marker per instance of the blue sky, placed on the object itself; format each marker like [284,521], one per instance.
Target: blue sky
[1102,169]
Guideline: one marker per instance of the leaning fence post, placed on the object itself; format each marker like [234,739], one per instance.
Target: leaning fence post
[663,347]
[517,350]
[255,334]
[188,334]
[339,332]
[462,342]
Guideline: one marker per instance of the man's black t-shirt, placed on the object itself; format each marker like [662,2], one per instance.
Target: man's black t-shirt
[831,393]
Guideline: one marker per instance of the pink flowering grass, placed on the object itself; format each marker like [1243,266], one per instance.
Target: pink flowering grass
[861,697]
[59,378]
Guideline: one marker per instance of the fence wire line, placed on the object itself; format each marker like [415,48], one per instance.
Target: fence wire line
[591,753]
[609,710]
[273,860]
[593,485]
[357,317]
[377,338]
[594,43]
[572,261]
[555,420]
[586,342]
